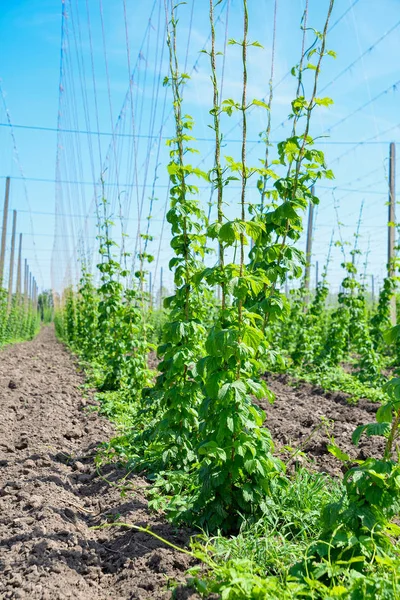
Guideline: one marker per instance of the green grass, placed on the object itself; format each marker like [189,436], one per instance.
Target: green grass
[336,379]
[257,563]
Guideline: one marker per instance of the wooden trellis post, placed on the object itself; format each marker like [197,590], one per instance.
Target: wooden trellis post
[26,285]
[19,266]
[12,259]
[4,231]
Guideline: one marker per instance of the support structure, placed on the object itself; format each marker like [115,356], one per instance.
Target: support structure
[4,231]
[12,260]
[392,226]
[26,284]
[19,266]
[34,294]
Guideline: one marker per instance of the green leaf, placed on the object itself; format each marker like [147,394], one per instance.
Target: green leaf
[323,101]
[258,388]
[250,465]
[377,429]
[384,414]
[248,494]
[370,429]
[240,389]
[392,388]
[357,433]
[224,391]
[374,494]
[227,233]
[252,337]
[392,334]
[260,103]
[204,448]
[337,452]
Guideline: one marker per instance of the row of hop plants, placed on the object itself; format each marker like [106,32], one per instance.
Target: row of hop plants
[319,336]
[107,324]
[199,416]
[195,429]
[19,318]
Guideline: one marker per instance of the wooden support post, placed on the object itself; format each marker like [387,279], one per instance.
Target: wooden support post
[19,266]
[4,231]
[26,284]
[30,287]
[12,259]
[392,226]
[309,249]
[34,294]
[316,274]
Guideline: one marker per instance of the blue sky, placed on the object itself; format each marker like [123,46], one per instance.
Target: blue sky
[30,48]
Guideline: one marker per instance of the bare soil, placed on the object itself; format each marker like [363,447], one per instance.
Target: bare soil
[51,494]
[294,420]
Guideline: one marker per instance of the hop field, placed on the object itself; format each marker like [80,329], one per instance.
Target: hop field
[252,412]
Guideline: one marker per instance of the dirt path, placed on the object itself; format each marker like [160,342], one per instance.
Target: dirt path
[50,493]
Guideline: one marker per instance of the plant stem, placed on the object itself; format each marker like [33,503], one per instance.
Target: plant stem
[244,139]
[174,69]
[304,136]
[217,158]
[392,435]
[268,129]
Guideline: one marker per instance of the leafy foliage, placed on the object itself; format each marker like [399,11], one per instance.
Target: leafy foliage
[19,318]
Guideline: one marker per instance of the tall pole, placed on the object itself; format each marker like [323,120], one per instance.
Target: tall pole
[19,266]
[316,274]
[373,289]
[392,226]
[12,259]
[34,293]
[309,249]
[26,284]
[4,231]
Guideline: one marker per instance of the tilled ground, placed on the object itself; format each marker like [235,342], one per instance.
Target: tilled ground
[51,494]
[295,421]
